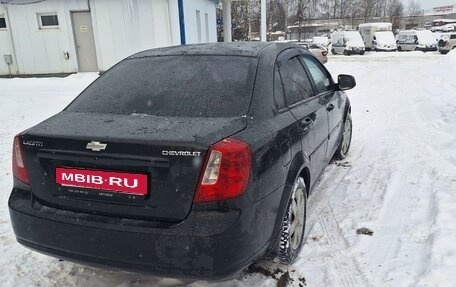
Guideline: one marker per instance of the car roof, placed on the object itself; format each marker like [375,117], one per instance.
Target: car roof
[246,49]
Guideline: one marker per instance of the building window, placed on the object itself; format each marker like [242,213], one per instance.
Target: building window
[2,23]
[48,20]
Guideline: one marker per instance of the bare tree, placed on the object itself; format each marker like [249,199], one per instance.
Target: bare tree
[276,16]
[414,11]
[414,8]
[241,16]
[367,7]
[395,13]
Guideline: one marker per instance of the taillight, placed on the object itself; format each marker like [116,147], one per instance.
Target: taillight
[324,53]
[226,171]
[19,170]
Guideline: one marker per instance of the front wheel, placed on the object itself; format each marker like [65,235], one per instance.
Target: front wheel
[333,51]
[345,143]
[294,224]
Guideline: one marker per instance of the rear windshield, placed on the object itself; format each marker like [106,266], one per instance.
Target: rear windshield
[174,86]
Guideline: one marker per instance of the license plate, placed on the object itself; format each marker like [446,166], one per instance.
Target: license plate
[118,182]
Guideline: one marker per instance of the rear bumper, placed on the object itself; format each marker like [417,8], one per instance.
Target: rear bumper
[207,245]
[356,51]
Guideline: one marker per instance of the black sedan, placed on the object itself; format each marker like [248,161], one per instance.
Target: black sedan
[190,161]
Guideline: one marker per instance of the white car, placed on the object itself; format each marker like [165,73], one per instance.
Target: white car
[416,40]
[316,49]
[449,28]
[347,43]
[447,43]
[322,40]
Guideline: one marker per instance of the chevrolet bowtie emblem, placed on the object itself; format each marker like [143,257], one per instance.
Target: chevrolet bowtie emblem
[96,146]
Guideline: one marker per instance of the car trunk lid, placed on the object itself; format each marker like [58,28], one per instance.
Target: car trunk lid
[163,153]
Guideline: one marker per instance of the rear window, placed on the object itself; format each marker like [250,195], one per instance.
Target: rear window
[175,86]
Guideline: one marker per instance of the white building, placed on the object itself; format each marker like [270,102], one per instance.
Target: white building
[66,36]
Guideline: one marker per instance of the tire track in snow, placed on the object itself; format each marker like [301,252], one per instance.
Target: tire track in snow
[344,270]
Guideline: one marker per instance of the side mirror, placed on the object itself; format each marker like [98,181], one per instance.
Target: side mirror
[346,82]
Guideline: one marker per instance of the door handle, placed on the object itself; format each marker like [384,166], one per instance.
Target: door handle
[306,124]
[330,107]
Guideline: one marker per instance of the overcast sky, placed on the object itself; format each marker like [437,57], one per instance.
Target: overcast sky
[429,4]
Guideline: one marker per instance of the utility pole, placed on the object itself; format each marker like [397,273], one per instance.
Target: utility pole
[263,21]
[226,20]
[249,24]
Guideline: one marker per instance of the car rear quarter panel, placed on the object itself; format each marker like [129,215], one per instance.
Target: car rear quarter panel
[275,143]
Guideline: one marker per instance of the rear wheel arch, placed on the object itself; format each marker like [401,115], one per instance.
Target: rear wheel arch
[297,164]
[305,174]
[299,167]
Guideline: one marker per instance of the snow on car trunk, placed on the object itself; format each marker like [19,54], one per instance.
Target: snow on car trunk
[398,182]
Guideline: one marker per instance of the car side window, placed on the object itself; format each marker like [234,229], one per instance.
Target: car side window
[321,78]
[279,98]
[296,84]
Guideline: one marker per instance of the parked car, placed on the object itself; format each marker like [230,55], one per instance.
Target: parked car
[187,161]
[447,43]
[322,40]
[385,41]
[378,36]
[347,43]
[317,50]
[449,28]
[416,40]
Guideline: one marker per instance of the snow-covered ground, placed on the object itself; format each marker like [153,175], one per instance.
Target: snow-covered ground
[399,181]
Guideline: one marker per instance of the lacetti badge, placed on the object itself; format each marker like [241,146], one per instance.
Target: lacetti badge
[96,146]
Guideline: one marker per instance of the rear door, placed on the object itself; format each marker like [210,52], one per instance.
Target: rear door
[324,90]
[309,111]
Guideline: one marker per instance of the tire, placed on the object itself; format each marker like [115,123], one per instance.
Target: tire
[333,51]
[399,49]
[293,225]
[362,53]
[442,43]
[345,143]
[444,52]
[346,53]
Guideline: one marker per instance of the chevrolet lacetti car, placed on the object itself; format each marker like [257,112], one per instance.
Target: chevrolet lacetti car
[190,161]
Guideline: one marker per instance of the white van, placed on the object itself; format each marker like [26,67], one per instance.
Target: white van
[416,40]
[378,36]
[347,43]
